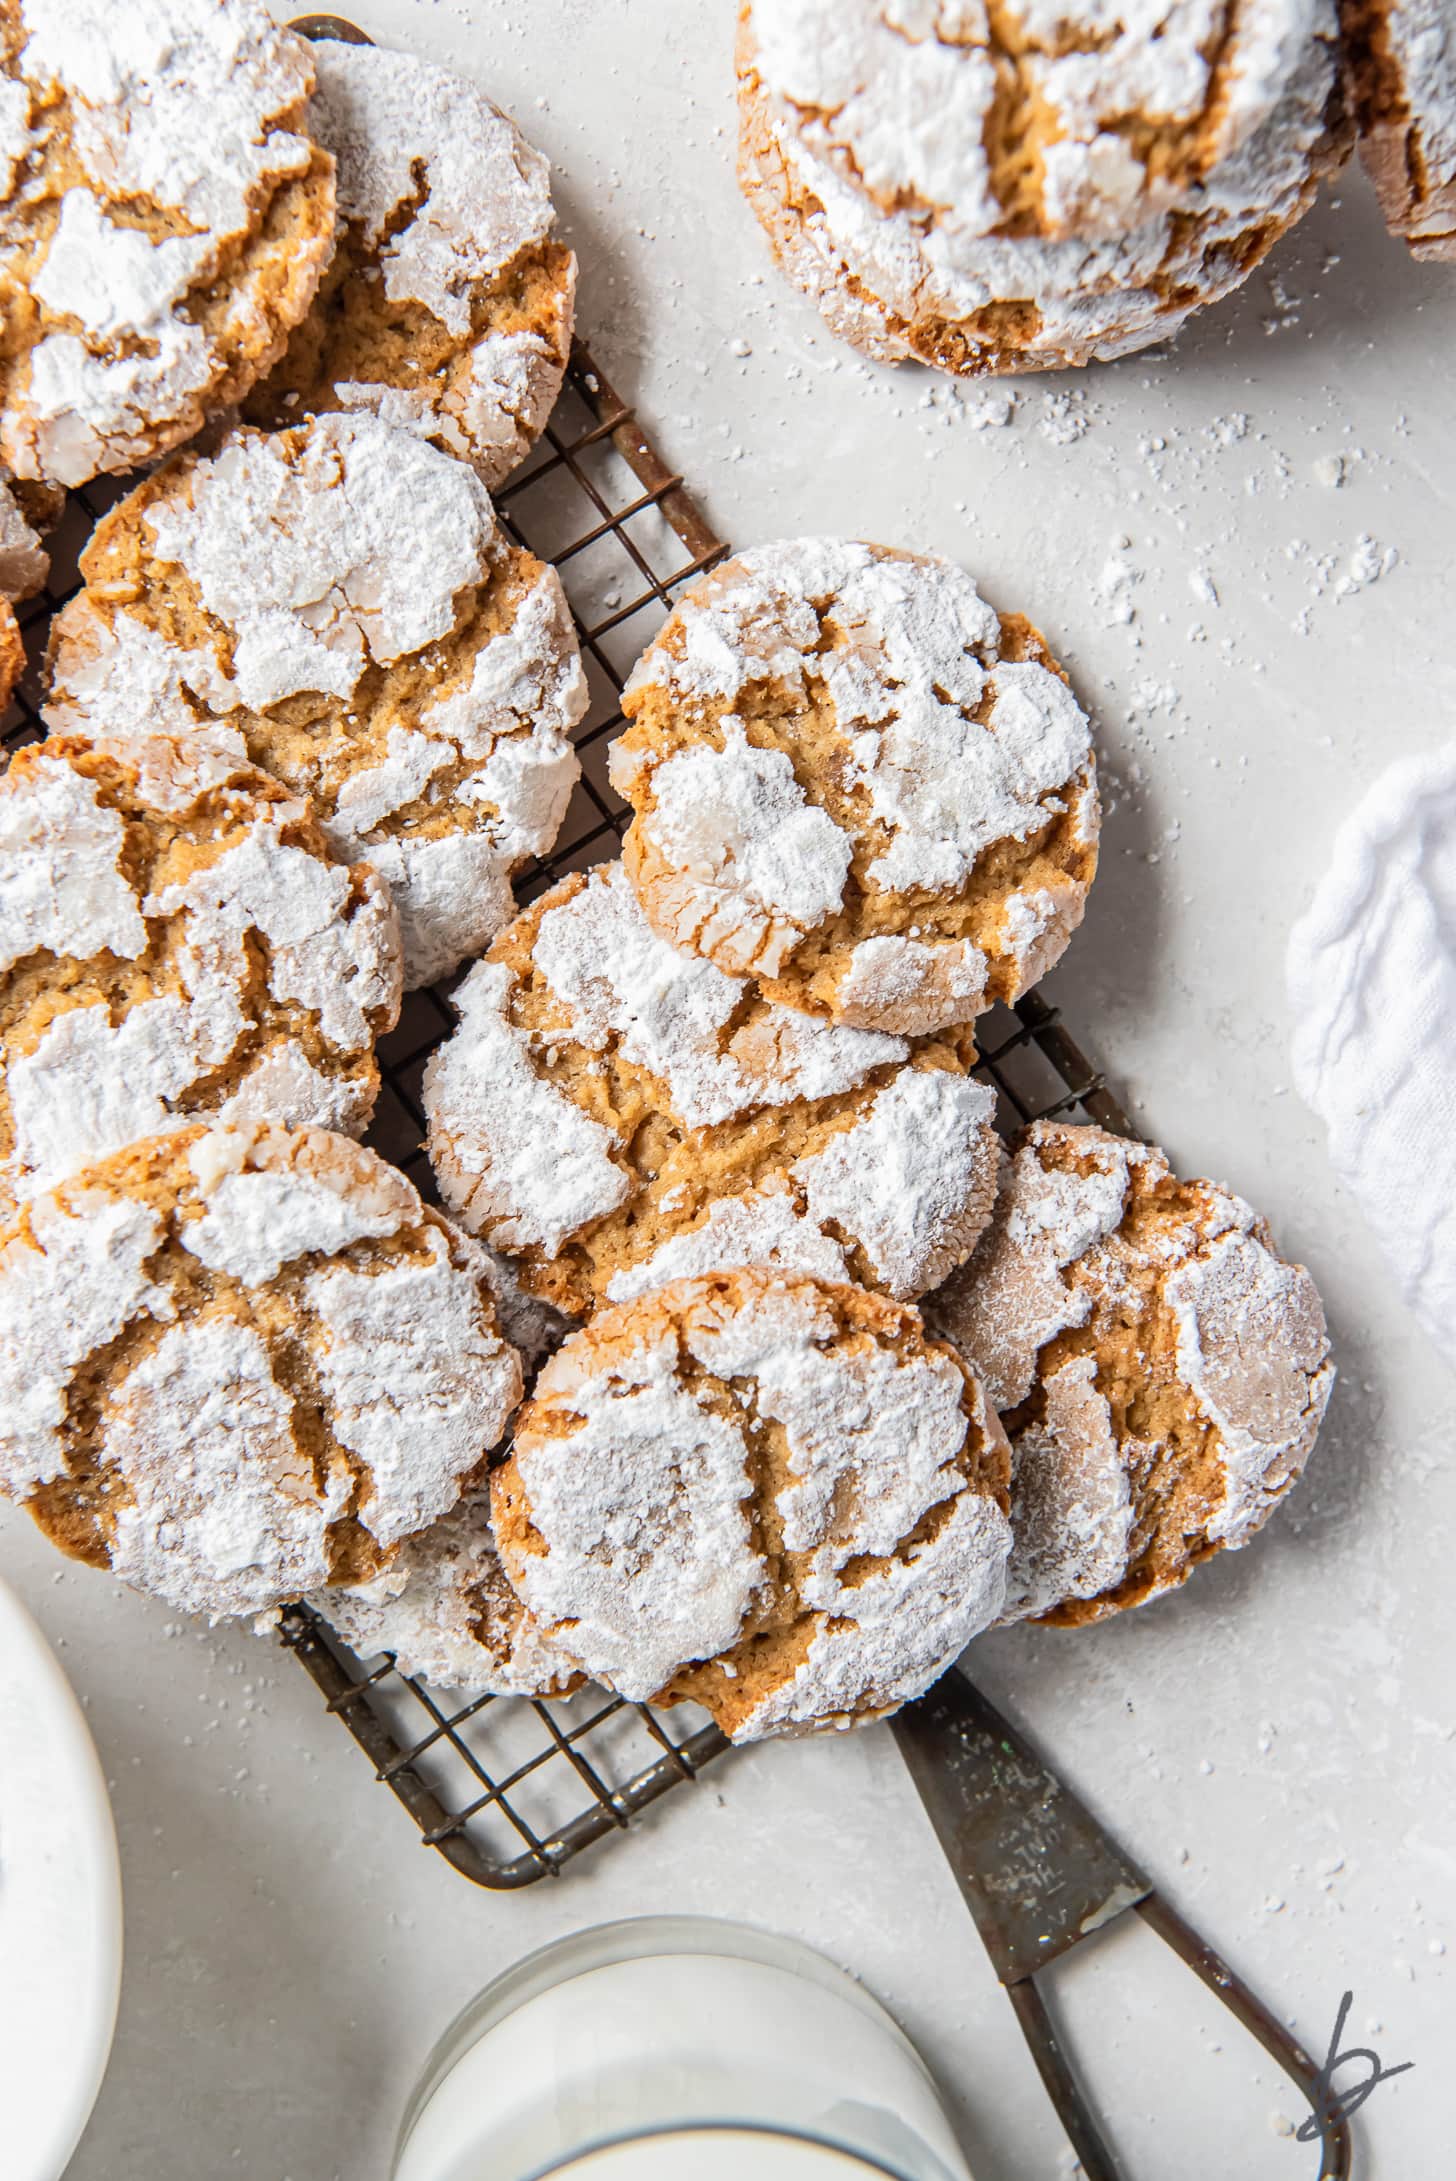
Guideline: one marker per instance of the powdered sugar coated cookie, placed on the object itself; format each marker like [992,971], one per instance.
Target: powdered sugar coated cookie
[613,1113]
[239,1364]
[165,224]
[859,784]
[1400,58]
[342,598]
[448,306]
[176,940]
[763,1492]
[1161,1371]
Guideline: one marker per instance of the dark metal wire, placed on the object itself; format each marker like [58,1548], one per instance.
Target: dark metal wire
[508,1789]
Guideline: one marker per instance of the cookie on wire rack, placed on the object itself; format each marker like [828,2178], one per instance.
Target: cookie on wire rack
[859,784]
[445,1611]
[448,305]
[176,941]
[164,225]
[343,599]
[1400,60]
[1160,1370]
[612,1114]
[239,1364]
[766,1493]
[1004,190]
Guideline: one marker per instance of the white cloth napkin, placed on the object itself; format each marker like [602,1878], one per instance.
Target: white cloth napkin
[1372,985]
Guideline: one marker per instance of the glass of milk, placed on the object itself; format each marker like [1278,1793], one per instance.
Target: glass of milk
[672,2047]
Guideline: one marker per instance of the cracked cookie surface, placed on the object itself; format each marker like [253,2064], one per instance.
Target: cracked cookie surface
[1015,187]
[238,1364]
[444,1608]
[1160,1370]
[341,598]
[857,783]
[165,222]
[768,1494]
[612,1114]
[448,305]
[176,941]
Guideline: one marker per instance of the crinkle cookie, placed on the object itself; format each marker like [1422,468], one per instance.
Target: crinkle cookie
[1023,188]
[176,941]
[1400,57]
[448,305]
[1160,1370]
[614,1114]
[342,597]
[859,784]
[765,1493]
[164,225]
[239,1364]
[444,1608]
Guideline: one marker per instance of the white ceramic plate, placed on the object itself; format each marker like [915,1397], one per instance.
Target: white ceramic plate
[60,1908]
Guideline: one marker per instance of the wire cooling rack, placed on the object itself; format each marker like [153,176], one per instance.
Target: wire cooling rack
[509,1789]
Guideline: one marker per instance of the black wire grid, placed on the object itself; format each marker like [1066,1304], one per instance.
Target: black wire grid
[509,1789]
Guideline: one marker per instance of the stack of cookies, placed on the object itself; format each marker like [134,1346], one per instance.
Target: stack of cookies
[823,1383]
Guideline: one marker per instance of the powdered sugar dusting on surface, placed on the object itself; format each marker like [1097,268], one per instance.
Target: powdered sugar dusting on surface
[62,888]
[1253,1349]
[1011,1298]
[223,1509]
[346,543]
[408,133]
[1071,1499]
[513,1155]
[440,183]
[665,1011]
[643,1510]
[878,125]
[445,1610]
[217,1498]
[159,105]
[765,1228]
[906,655]
[876,1442]
[912,1180]
[92,1083]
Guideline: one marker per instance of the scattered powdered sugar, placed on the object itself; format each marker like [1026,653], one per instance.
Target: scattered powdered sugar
[643,1512]
[320,552]
[445,1610]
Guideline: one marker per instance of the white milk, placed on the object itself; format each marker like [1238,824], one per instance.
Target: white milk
[677,2047]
